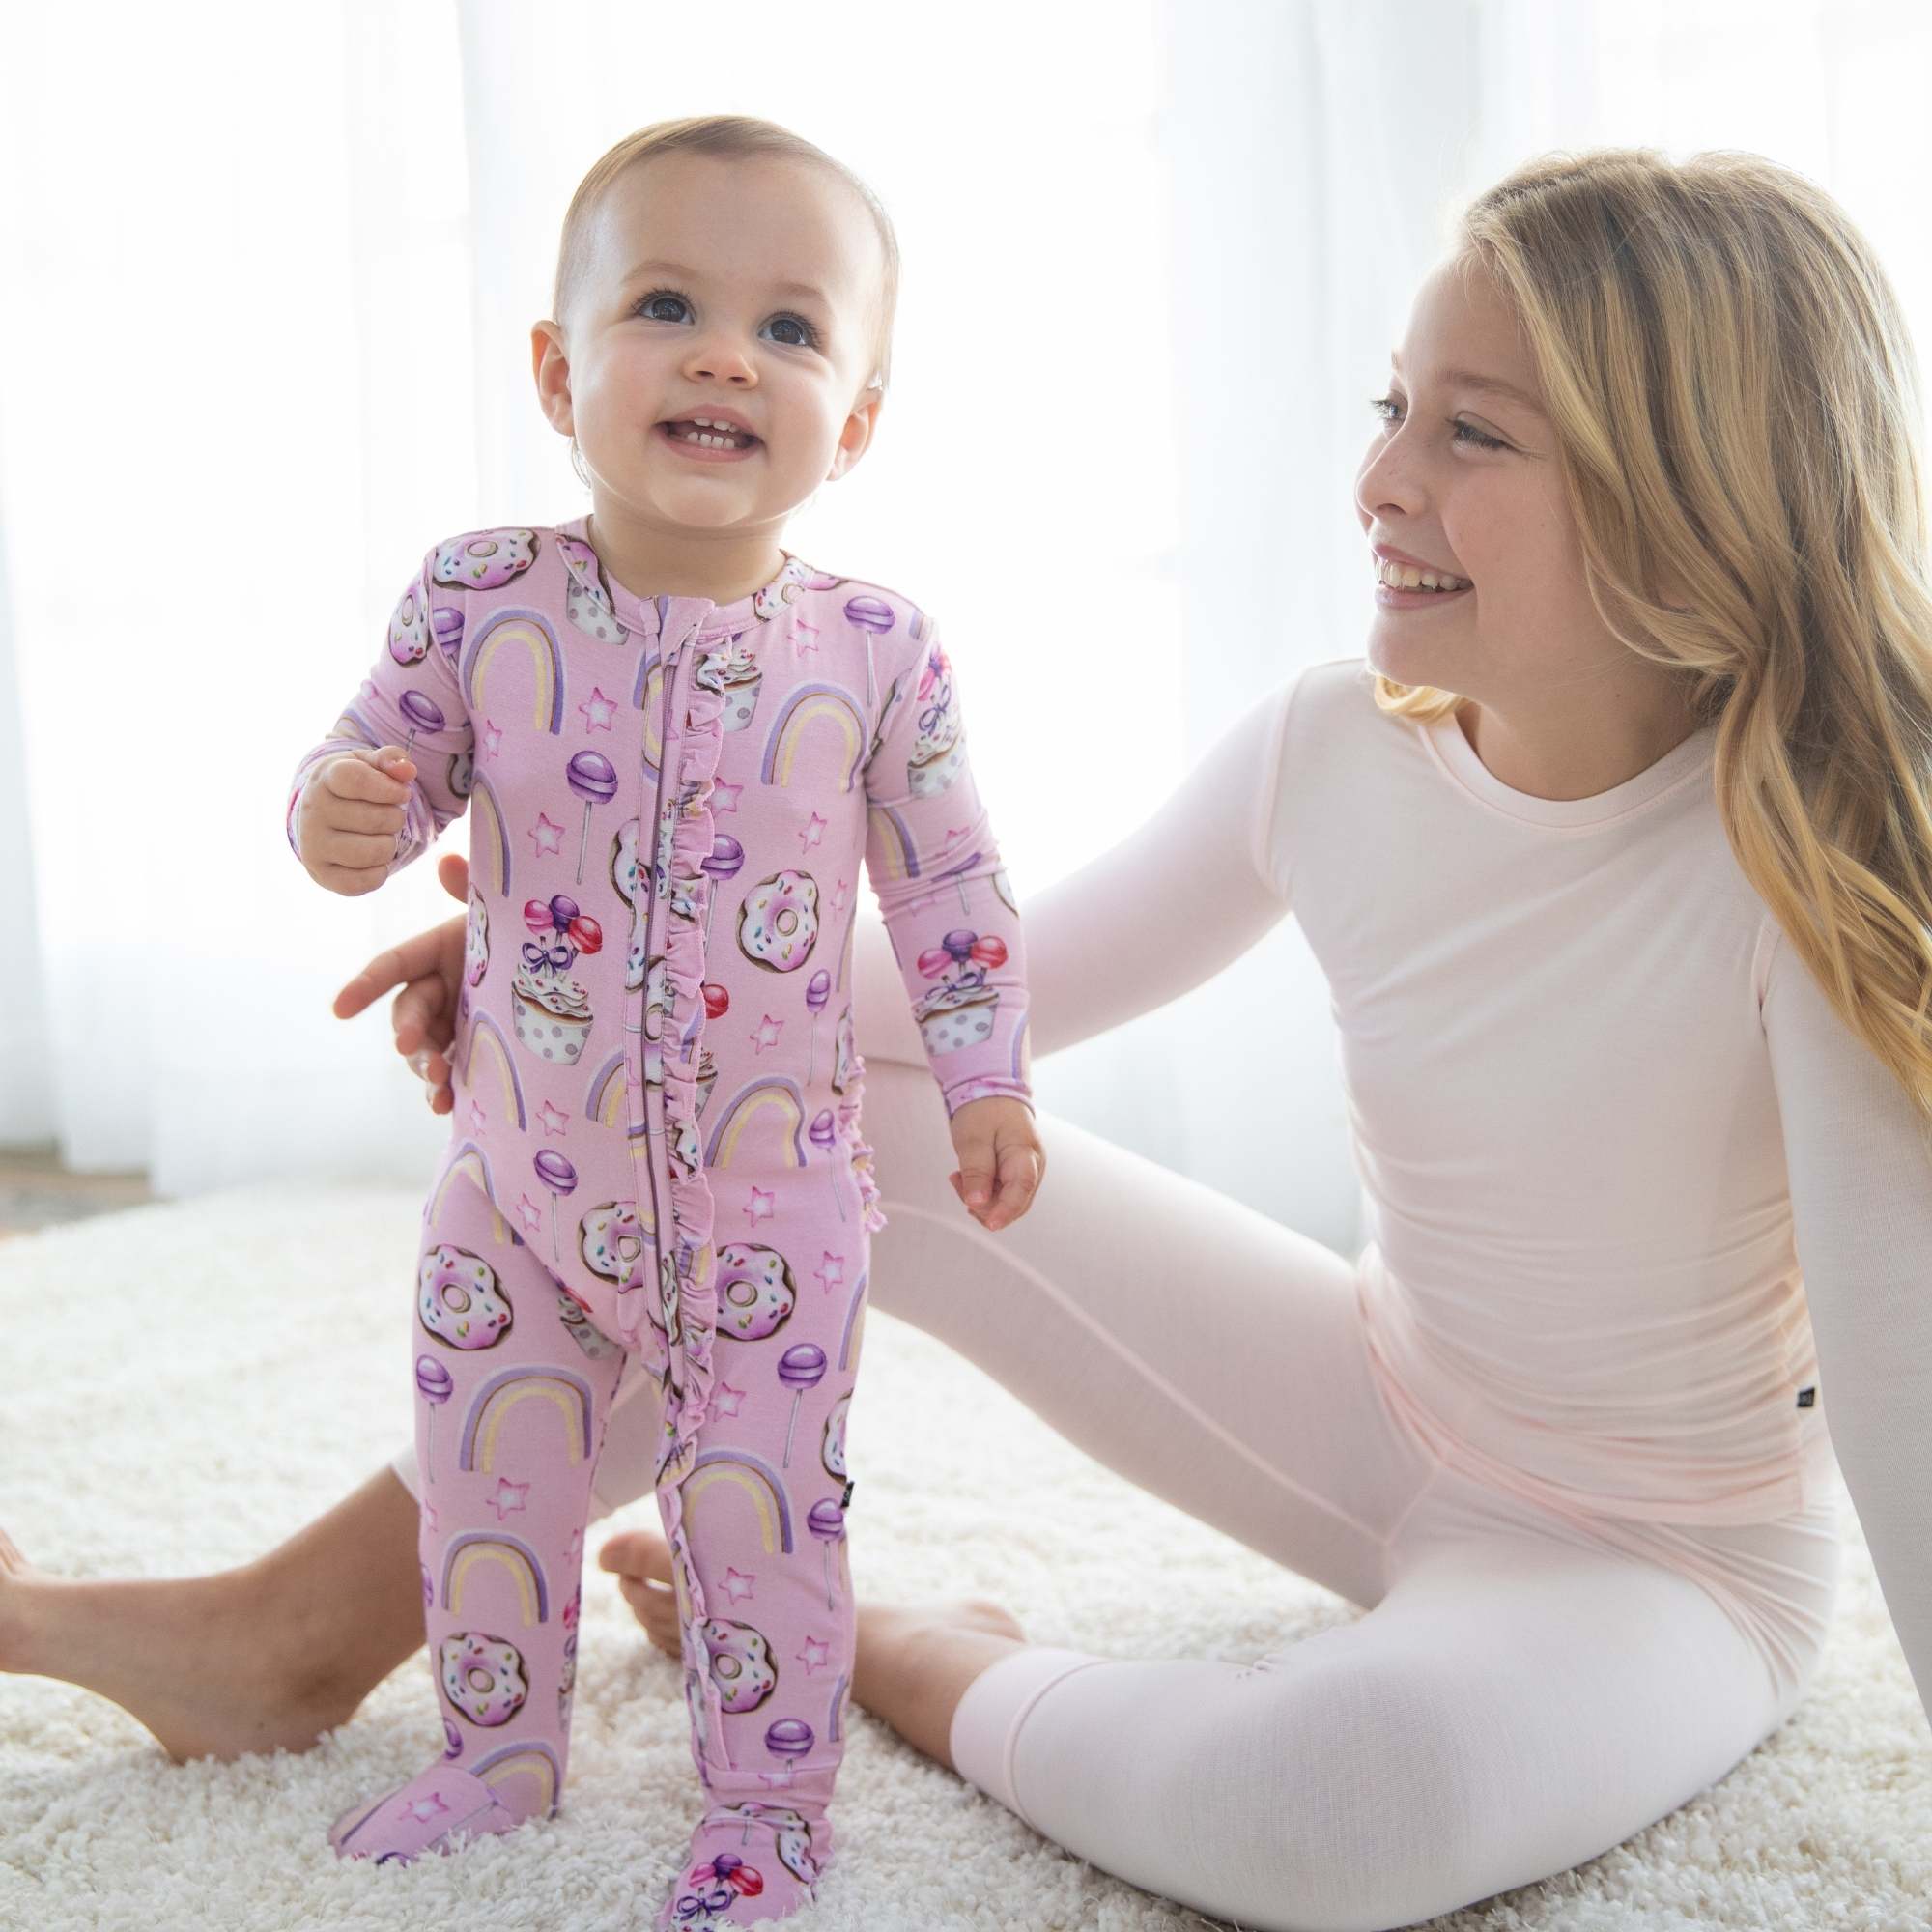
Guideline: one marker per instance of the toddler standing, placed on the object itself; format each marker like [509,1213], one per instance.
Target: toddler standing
[675,739]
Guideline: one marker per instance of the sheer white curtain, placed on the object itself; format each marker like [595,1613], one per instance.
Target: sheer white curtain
[269,279]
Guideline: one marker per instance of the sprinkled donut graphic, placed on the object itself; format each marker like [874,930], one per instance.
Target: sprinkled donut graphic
[777,923]
[482,1676]
[755,1291]
[831,1451]
[733,671]
[409,627]
[484,560]
[460,1300]
[741,1664]
[476,940]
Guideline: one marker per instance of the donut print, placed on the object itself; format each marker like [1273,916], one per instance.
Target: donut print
[741,1664]
[484,560]
[459,1299]
[777,922]
[755,1291]
[482,1676]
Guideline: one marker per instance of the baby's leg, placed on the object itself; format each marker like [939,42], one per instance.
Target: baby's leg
[1514,1706]
[511,1408]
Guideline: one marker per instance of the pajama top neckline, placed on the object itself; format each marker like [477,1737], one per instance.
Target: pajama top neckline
[646,614]
[1453,751]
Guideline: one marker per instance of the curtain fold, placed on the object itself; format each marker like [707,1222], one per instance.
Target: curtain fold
[271,277]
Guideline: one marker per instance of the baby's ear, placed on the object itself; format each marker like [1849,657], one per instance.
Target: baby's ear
[550,366]
[855,438]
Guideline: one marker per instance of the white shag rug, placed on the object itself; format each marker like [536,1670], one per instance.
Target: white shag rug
[184,1385]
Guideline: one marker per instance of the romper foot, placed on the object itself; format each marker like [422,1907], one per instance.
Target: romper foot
[748,1863]
[423,1815]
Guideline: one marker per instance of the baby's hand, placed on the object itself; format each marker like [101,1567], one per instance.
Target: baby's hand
[351,810]
[997,1146]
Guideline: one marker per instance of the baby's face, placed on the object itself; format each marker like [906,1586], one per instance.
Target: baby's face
[686,310]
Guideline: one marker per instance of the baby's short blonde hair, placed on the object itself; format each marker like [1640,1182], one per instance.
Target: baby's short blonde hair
[731,137]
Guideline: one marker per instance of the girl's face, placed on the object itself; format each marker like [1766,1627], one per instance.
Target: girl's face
[716,286]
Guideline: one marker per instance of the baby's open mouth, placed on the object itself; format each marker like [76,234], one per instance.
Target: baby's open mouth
[708,436]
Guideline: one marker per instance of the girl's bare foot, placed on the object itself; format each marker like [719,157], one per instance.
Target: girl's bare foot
[259,1658]
[912,1664]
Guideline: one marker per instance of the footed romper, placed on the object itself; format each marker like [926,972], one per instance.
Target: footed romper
[656,1172]
[1638,1209]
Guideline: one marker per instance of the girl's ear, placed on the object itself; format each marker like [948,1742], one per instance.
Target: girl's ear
[551,367]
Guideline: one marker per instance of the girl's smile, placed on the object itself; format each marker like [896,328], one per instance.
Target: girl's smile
[676,434]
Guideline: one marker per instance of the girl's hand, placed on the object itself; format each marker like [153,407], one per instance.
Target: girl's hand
[997,1148]
[429,969]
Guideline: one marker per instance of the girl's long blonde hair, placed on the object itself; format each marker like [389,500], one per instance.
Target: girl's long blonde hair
[1737,409]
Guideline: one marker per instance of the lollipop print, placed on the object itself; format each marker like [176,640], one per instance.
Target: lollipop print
[593,778]
[818,990]
[559,1176]
[423,716]
[788,1738]
[433,1380]
[799,1369]
[823,1136]
[727,859]
[826,1521]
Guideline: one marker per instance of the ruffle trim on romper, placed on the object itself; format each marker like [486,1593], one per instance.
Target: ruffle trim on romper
[691,1260]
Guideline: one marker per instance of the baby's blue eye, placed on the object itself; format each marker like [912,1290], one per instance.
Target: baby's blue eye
[1383,405]
[646,304]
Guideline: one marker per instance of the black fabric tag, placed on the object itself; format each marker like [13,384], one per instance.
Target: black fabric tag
[1808,1397]
[845,1501]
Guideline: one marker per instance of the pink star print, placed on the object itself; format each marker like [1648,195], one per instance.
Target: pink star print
[423,1809]
[508,1501]
[813,1654]
[725,1400]
[759,1206]
[832,1271]
[429,1516]
[493,737]
[737,1585]
[838,899]
[530,1215]
[476,1118]
[554,1119]
[767,1033]
[598,711]
[548,836]
[814,832]
[800,631]
[574,1548]
[723,797]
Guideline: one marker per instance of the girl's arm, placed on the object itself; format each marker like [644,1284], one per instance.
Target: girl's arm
[1178,898]
[1860,1163]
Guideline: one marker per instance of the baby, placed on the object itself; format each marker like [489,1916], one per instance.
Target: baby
[675,739]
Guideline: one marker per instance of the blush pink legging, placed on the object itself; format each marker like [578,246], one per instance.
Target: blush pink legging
[1525,1689]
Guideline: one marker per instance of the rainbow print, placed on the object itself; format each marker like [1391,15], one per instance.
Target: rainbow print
[647,695]
[892,841]
[603,1101]
[354,725]
[479,1547]
[1020,1046]
[485,1030]
[851,1315]
[533,1760]
[488,837]
[807,705]
[469,1160]
[570,1394]
[523,630]
[755,1479]
[781,1096]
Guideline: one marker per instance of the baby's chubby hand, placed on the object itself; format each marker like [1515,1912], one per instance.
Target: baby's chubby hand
[997,1148]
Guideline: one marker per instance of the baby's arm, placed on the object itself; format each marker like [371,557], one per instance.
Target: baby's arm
[933,862]
[1177,899]
[411,689]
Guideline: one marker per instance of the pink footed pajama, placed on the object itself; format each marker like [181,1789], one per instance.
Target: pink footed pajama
[656,1163]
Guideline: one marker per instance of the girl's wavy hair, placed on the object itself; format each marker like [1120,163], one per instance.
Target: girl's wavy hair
[1737,410]
[730,137]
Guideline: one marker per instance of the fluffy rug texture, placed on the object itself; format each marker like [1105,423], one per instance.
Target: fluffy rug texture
[184,1385]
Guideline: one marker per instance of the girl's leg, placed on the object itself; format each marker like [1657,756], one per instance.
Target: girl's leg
[512,1402]
[1518,1703]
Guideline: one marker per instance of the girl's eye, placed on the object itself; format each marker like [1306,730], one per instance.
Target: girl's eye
[1382,406]
[808,337]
